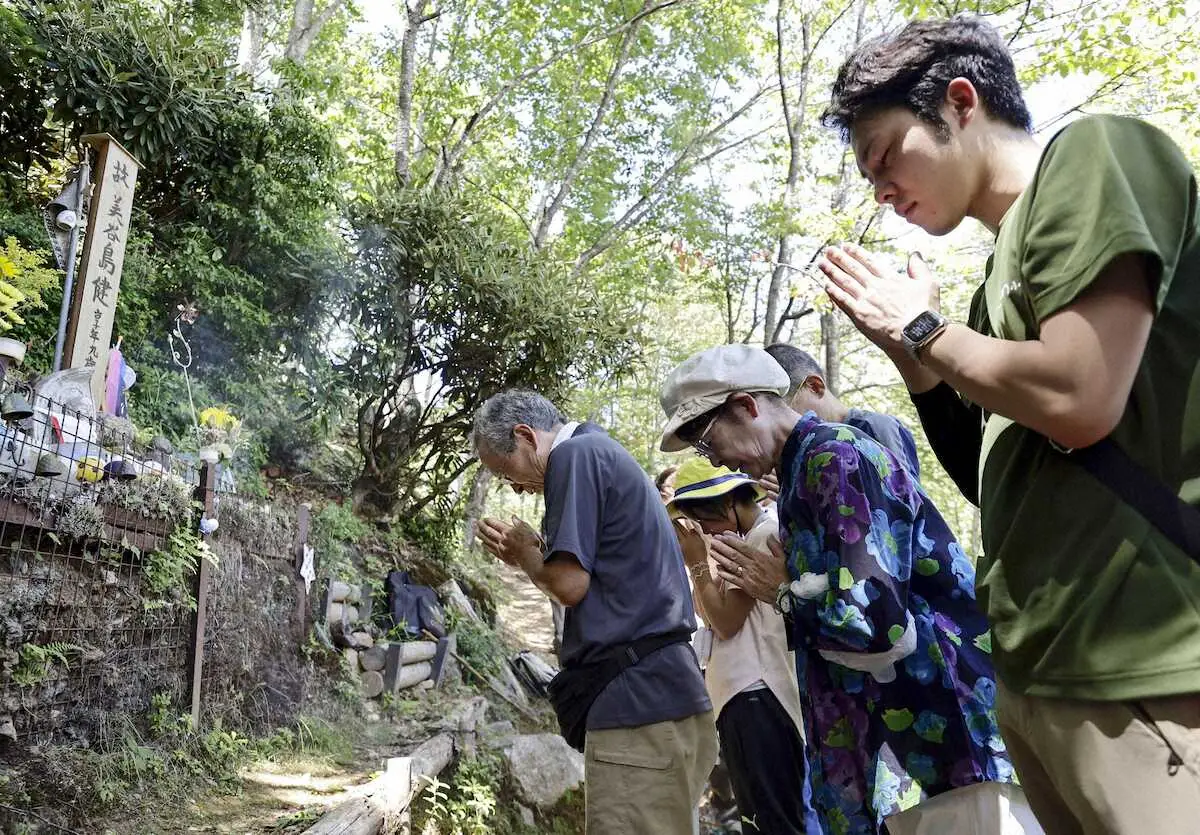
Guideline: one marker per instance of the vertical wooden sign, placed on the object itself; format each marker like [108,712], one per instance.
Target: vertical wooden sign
[94,302]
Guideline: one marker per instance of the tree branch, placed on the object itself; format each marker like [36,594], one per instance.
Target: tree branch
[455,154]
[305,29]
[652,193]
[606,101]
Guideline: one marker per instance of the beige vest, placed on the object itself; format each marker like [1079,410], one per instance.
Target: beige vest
[758,652]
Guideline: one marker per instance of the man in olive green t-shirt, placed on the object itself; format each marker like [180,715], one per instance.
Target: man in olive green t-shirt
[1087,326]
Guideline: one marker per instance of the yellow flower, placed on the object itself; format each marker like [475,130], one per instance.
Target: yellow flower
[217,418]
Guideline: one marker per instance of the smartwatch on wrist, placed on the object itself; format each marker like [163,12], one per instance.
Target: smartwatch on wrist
[921,331]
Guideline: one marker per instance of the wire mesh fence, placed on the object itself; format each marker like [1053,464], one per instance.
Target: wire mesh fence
[254,671]
[97,553]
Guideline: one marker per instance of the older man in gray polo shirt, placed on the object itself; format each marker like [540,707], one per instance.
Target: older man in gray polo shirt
[630,693]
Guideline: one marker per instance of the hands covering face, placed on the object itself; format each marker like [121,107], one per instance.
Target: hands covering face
[758,573]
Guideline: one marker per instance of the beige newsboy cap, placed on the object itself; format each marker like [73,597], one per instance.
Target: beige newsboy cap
[705,380]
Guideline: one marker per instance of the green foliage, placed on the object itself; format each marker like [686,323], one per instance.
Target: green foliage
[168,570]
[179,759]
[163,719]
[121,69]
[444,289]
[477,798]
[435,532]
[478,645]
[35,660]
[311,736]
[81,518]
[24,140]
[23,269]
[467,805]
[165,497]
[334,531]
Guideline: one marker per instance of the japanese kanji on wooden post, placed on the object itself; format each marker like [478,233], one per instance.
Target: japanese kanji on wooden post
[94,301]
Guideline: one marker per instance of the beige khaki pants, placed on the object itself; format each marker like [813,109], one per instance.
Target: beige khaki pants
[981,809]
[648,780]
[1107,768]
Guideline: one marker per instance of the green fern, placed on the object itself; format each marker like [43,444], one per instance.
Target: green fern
[36,660]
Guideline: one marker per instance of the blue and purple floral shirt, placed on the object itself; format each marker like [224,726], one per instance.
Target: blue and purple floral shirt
[892,656]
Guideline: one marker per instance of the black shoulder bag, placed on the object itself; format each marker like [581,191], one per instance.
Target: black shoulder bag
[575,688]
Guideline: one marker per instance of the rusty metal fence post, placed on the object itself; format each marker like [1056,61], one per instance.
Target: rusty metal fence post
[205,495]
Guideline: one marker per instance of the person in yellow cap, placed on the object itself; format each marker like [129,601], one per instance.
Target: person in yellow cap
[751,675]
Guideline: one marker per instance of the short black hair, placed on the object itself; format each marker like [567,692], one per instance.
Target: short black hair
[799,365]
[664,475]
[913,67]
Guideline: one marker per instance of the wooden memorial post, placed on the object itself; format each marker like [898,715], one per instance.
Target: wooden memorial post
[94,301]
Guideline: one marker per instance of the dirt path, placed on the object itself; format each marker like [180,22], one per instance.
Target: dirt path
[524,613]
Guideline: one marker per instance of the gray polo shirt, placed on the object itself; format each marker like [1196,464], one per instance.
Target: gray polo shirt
[603,508]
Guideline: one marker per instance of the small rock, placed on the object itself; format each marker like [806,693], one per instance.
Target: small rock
[497,734]
[427,684]
[543,768]
[527,816]
[7,729]
[468,716]
[361,640]
[110,578]
[161,444]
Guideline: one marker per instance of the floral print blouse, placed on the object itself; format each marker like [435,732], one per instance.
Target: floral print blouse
[892,656]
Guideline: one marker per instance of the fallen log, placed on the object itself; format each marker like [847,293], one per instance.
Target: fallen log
[389,794]
[372,684]
[373,658]
[414,651]
[340,592]
[401,657]
[412,674]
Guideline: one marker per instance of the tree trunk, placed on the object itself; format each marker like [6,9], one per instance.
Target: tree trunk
[793,117]
[306,26]
[414,16]
[388,795]
[829,347]
[628,38]
[476,499]
[251,44]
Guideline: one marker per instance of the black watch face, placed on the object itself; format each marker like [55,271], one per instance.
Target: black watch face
[921,327]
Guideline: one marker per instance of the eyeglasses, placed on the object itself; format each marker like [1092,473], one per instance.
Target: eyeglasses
[687,434]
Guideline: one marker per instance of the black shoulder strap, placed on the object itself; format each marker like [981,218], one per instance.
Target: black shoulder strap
[632,653]
[1176,519]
